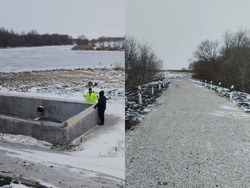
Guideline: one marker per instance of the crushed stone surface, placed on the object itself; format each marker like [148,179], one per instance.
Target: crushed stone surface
[194,138]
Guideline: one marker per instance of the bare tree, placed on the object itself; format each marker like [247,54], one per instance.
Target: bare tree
[141,63]
[82,40]
[229,64]
[207,51]
[131,61]
[228,44]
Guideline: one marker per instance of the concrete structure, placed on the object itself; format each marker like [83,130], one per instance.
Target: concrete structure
[53,120]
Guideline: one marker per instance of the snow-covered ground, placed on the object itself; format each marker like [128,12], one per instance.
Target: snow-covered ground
[98,153]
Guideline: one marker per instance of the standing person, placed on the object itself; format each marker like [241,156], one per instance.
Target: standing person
[101,107]
[90,96]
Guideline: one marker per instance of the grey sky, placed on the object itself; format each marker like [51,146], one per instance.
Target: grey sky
[93,18]
[174,28]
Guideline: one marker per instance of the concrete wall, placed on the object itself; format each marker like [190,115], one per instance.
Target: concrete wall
[26,107]
[77,118]
[74,124]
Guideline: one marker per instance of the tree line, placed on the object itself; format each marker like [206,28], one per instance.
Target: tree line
[101,43]
[32,38]
[227,61]
[141,63]
[10,38]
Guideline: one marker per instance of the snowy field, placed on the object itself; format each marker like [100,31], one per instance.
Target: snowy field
[94,160]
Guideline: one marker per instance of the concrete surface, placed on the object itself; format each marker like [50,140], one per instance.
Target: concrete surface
[194,138]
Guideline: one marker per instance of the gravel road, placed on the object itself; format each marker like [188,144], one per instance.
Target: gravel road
[194,138]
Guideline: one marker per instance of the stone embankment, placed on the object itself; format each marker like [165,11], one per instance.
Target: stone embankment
[134,111]
[240,98]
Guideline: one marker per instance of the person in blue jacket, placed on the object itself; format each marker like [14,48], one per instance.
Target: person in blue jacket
[101,105]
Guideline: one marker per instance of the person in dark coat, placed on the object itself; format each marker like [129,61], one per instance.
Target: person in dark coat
[101,105]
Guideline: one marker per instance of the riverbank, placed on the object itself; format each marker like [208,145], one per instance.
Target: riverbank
[101,48]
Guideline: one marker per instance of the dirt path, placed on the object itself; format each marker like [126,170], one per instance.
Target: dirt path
[193,139]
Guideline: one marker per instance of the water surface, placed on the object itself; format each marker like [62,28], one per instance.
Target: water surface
[56,57]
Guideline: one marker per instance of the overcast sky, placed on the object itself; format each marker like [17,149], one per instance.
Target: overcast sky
[175,28]
[93,18]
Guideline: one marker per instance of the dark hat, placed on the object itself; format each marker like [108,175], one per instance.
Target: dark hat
[101,92]
[90,89]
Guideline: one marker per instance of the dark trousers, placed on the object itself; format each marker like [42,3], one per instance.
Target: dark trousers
[101,116]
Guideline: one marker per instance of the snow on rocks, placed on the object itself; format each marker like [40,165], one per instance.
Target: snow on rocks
[134,112]
[8,182]
[240,98]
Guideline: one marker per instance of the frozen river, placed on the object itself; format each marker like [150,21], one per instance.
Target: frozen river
[56,57]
